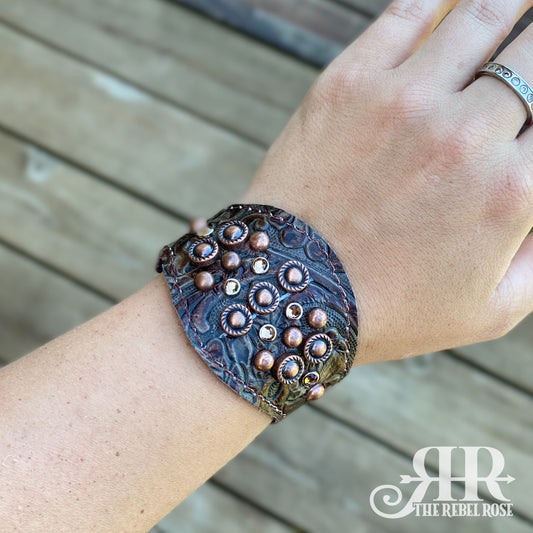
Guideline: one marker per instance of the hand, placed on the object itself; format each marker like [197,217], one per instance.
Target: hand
[417,176]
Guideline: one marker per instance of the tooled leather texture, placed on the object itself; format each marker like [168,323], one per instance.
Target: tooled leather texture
[231,358]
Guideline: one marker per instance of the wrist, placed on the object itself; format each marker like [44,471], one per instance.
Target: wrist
[266,304]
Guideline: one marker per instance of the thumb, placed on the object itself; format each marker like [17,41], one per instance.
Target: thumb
[513,298]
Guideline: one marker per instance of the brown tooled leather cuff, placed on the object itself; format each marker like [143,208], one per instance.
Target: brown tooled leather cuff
[266,303]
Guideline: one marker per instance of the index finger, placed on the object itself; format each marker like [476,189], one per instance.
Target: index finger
[398,32]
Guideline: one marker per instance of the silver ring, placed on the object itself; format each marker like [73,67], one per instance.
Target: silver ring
[513,80]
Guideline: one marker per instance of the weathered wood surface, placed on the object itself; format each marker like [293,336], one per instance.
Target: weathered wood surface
[370,7]
[327,19]
[436,399]
[314,30]
[37,304]
[118,132]
[213,510]
[510,357]
[81,226]
[174,54]
[111,98]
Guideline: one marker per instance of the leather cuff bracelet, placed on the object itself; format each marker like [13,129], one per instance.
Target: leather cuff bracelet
[266,303]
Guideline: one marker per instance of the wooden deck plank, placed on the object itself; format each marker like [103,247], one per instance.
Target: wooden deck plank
[286,25]
[86,228]
[327,19]
[232,80]
[37,305]
[509,357]
[213,510]
[314,30]
[373,7]
[114,130]
[432,400]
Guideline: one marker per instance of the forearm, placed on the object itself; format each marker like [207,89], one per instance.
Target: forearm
[111,425]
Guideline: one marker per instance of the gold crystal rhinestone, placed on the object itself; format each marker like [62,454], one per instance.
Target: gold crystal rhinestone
[294,311]
[264,360]
[259,265]
[315,392]
[268,333]
[310,378]
[204,232]
[232,287]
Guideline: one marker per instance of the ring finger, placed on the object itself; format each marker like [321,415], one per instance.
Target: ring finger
[502,104]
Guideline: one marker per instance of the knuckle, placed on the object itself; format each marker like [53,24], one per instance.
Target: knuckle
[527,48]
[456,144]
[511,196]
[459,143]
[494,15]
[411,101]
[409,10]
[335,87]
[527,41]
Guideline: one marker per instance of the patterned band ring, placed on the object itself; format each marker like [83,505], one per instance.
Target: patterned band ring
[513,80]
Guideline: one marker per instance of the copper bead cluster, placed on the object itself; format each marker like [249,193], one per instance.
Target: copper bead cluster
[263,298]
